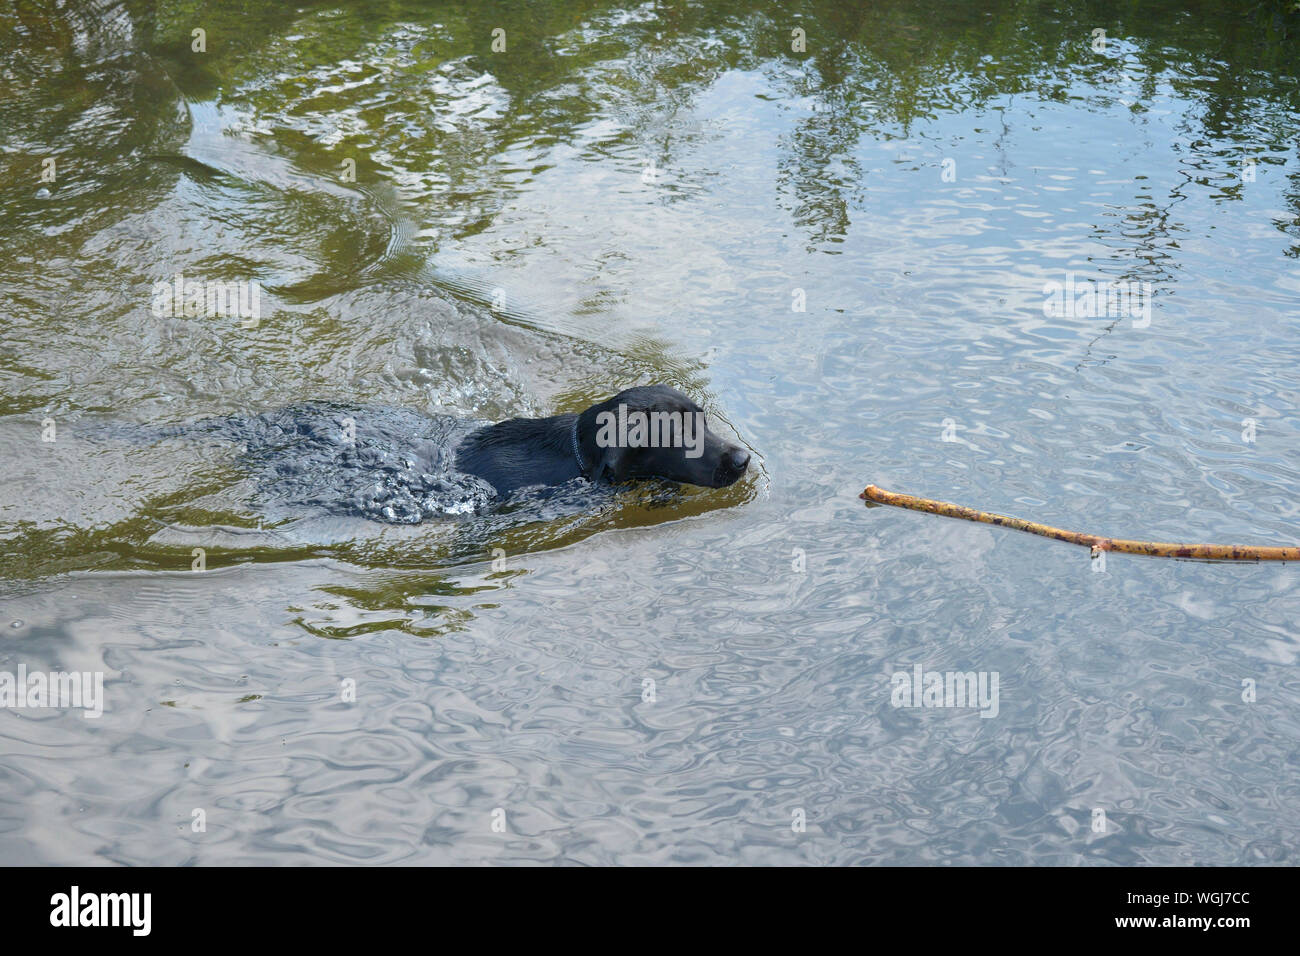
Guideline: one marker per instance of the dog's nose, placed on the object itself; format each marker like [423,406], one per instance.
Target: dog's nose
[739,459]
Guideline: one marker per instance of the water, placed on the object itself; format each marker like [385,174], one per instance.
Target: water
[637,194]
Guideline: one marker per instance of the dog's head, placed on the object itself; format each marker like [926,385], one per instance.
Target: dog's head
[654,431]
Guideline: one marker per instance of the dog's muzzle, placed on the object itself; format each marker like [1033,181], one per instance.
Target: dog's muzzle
[730,467]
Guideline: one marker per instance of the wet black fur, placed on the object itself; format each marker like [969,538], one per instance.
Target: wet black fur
[539,451]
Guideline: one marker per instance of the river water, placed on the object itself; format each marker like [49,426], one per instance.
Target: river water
[839,227]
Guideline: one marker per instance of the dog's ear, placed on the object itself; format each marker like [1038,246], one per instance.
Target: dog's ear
[611,466]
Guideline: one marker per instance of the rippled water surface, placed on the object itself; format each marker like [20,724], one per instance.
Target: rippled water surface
[842,251]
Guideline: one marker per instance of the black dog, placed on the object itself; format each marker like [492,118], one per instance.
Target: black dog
[604,443]
[401,466]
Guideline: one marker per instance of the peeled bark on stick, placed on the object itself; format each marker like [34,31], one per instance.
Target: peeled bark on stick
[1159,549]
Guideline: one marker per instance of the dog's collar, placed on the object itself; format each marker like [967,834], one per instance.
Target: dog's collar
[577,448]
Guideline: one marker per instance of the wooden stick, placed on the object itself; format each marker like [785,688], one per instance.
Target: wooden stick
[1160,549]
